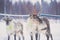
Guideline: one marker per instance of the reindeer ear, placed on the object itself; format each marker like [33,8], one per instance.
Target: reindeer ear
[4,18]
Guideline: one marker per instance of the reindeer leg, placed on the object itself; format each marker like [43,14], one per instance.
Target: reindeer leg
[47,36]
[31,36]
[19,38]
[23,37]
[39,37]
[8,37]
[51,36]
[36,35]
[15,36]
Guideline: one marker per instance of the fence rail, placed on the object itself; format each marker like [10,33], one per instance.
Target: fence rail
[43,15]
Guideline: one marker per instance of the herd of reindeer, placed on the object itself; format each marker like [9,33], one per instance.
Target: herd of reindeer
[34,24]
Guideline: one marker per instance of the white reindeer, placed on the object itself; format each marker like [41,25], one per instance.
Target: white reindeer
[14,28]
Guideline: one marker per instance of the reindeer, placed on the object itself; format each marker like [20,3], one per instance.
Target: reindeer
[38,22]
[7,20]
[32,26]
[17,27]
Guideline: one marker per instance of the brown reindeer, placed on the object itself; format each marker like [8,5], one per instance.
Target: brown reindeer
[45,30]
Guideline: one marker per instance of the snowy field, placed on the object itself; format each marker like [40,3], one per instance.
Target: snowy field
[54,26]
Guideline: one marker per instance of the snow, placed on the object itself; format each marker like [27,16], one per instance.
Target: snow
[54,26]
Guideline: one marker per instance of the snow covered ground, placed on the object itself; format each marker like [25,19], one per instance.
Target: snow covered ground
[54,26]
[55,29]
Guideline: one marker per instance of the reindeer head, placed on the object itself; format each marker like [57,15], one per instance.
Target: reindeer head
[7,20]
